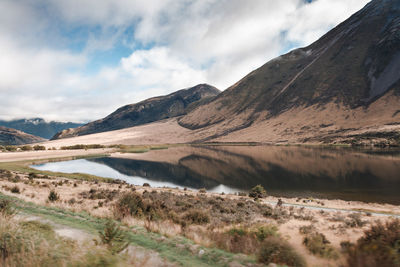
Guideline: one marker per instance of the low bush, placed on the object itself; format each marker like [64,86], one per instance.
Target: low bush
[11,148]
[5,174]
[38,147]
[258,192]
[26,148]
[194,216]
[99,194]
[265,231]
[6,208]
[380,246]
[318,245]
[355,220]
[307,229]
[242,239]
[129,204]
[53,196]
[81,146]
[278,251]
[15,190]
[32,175]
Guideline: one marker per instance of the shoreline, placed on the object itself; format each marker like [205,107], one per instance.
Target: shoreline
[22,161]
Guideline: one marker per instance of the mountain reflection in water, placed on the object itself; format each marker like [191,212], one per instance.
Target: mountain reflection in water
[372,176]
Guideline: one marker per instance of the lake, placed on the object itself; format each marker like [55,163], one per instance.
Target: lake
[287,171]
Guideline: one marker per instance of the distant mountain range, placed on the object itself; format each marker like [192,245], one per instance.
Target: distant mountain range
[14,137]
[38,126]
[343,88]
[147,111]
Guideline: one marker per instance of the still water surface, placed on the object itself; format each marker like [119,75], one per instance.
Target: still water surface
[334,173]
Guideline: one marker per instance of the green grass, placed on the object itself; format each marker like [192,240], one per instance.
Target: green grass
[175,249]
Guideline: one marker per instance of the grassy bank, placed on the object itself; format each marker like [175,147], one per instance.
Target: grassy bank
[178,249]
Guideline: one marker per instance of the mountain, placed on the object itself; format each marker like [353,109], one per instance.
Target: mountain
[14,137]
[38,126]
[343,87]
[150,110]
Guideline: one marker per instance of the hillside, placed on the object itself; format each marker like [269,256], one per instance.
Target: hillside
[14,137]
[346,84]
[150,110]
[38,126]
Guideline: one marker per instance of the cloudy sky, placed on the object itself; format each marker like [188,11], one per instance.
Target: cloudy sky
[79,60]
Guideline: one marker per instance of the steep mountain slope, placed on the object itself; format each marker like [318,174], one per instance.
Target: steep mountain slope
[14,137]
[353,70]
[150,110]
[39,127]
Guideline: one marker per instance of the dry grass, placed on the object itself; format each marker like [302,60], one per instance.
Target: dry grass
[379,246]
[235,223]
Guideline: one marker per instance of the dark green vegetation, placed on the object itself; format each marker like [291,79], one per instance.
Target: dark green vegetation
[113,237]
[10,136]
[81,146]
[258,192]
[150,110]
[39,127]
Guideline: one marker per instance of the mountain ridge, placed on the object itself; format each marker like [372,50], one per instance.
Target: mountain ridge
[150,110]
[352,66]
[10,136]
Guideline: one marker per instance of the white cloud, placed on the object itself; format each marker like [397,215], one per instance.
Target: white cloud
[190,42]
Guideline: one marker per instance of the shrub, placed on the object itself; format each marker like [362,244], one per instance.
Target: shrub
[276,250]
[37,147]
[318,245]
[26,148]
[6,174]
[81,146]
[195,216]
[265,231]
[202,190]
[380,246]
[355,220]
[238,231]
[15,190]
[11,148]
[258,192]
[53,196]
[32,175]
[113,237]
[129,204]
[307,229]
[6,209]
